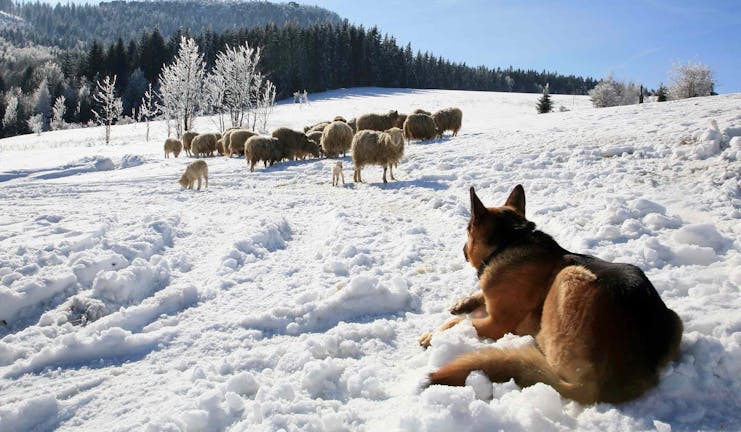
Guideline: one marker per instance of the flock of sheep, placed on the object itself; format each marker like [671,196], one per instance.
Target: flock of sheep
[372,139]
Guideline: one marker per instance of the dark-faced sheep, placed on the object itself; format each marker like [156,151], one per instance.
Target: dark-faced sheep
[173,146]
[377,148]
[204,145]
[315,136]
[400,121]
[307,148]
[377,122]
[194,172]
[448,119]
[291,142]
[336,139]
[353,123]
[237,139]
[261,148]
[187,139]
[220,146]
[421,111]
[419,126]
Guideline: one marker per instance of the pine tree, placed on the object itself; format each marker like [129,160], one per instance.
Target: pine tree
[545,105]
[662,93]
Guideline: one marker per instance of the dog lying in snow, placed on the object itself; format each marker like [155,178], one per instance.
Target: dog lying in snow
[337,174]
[602,331]
[194,172]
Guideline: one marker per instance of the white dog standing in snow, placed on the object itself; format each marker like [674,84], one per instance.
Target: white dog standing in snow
[337,174]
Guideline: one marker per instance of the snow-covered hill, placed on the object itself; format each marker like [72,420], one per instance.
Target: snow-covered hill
[275,301]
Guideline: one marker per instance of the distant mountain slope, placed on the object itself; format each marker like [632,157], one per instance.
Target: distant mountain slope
[66,25]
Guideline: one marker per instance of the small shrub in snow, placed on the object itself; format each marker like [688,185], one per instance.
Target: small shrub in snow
[544,105]
[691,80]
[610,92]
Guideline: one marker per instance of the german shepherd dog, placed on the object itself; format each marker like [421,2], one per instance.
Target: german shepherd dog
[602,332]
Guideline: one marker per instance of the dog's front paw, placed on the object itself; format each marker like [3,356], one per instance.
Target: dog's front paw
[425,340]
[467,304]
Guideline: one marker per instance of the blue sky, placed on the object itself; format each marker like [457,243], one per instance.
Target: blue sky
[636,40]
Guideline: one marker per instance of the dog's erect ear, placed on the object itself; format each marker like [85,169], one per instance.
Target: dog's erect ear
[477,207]
[516,200]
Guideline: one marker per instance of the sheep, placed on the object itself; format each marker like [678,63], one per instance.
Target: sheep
[173,146]
[293,143]
[353,124]
[419,126]
[339,118]
[220,146]
[377,122]
[187,139]
[194,172]
[316,127]
[377,148]
[315,136]
[306,148]
[336,138]
[448,119]
[399,123]
[204,145]
[237,138]
[337,174]
[421,111]
[262,148]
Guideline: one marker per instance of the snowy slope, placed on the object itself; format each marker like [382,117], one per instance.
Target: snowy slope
[275,301]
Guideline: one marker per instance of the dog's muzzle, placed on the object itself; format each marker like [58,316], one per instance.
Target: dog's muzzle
[465,252]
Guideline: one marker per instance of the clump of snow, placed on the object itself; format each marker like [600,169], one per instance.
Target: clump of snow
[26,294]
[269,237]
[133,283]
[39,413]
[87,264]
[704,235]
[243,384]
[130,161]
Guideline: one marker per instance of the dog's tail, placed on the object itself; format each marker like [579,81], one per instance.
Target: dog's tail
[527,365]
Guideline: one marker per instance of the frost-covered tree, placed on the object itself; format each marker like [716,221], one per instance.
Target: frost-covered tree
[214,90]
[58,111]
[236,70]
[691,80]
[181,85]
[42,103]
[544,105]
[148,109]
[610,92]
[36,123]
[265,104]
[11,111]
[110,107]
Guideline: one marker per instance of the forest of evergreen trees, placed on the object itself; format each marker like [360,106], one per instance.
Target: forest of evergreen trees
[295,57]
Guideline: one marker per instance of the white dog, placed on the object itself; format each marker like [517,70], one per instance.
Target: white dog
[337,174]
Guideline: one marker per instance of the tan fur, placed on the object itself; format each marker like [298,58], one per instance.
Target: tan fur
[262,148]
[602,332]
[353,123]
[377,148]
[399,123]
[295,144]
[377,122]
[194,172]
[419,126]
[316,127]
[421,111]
[448,119]
[204,144]
[187,139]
[337,174]
[172,146]
[339,118]
[336,139]
[237,139]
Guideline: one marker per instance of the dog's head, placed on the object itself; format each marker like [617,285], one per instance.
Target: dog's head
[494,227]
[183,181]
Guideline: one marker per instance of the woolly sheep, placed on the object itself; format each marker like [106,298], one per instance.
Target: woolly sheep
[187,139]
[339,118]
[336,138]
[194,172]
[262,148]
[377,122]
[353,124]
[377,148]
[421,111]
[173,146]
[237,138]
[292,143]
[448,119]
[220,146]
[316,127]
[203,145]
[419,126]
[315,136]
[400,121]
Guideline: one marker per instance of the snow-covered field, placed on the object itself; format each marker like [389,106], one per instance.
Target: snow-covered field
[273,301]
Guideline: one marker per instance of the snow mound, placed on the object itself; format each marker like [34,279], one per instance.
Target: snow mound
[25,295]
[270,236]
[133,283]
[364,297]
[130,161]
[39,413]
